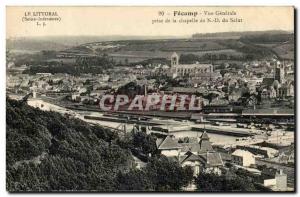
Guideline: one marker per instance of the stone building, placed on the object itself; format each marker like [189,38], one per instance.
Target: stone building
[278,86]
[195,71]
[243,158]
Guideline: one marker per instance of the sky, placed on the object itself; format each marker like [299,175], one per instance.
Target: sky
[137,21]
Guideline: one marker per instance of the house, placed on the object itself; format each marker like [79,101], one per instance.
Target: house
[243,158]
[237,93]
[287,156]
[97,93]
[267,152]
[274,179]
[169,146]
[209,162]
[199,155]
[186,90]
[82,90]
[43,74]
[75,97]
[286,90]
[192,160]
[253,83]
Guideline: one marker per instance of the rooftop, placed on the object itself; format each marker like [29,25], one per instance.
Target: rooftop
[169,143]
[269,111]
[241,153]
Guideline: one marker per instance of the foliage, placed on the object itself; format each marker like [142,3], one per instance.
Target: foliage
[146,143]
[93,64]
[214,183]
[47,151]
[167,175]
[135,180]
[151,61]
[131,89]
[160,174]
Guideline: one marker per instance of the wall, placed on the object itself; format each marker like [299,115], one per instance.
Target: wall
[170,153]
[269,182]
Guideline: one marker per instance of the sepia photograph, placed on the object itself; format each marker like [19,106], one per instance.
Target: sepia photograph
[150,99]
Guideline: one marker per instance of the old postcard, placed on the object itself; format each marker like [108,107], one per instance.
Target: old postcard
[150,99]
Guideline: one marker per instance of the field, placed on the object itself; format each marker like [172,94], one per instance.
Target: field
[139,50]
[137,56]
[206,47]
[283,50]
[64,60]
[173,45]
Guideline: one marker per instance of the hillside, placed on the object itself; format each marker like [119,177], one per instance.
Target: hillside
[33,44]
[24,45]
[46,151]
[235,34]
[234,46]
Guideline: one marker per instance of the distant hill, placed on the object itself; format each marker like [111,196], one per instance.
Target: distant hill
[24,45]
[236,46]
[235,35]
[268,38]
[33,44]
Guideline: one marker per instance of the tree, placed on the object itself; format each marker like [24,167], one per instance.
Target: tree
[167,175]
[131,89]
[135,180]
[146,143]
[126,61]
[48,151]
[209,182]
[210,96]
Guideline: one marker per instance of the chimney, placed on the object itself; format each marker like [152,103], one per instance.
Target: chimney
[281,172]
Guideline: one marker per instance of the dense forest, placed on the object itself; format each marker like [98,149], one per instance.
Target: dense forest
[47,151]
[93,64]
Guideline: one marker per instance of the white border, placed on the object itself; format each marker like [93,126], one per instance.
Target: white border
[4,3]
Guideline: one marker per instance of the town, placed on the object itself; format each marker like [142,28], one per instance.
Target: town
[245,119]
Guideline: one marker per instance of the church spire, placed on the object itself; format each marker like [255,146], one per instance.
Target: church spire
[174,59]
[204,136]
[204,143]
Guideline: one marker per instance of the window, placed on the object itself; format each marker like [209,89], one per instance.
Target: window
[197,169]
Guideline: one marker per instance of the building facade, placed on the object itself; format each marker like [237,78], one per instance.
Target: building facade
[195,71]
[243,158]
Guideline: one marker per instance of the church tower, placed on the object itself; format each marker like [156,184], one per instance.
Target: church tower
[279,72]
[205,144]
[174,59]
